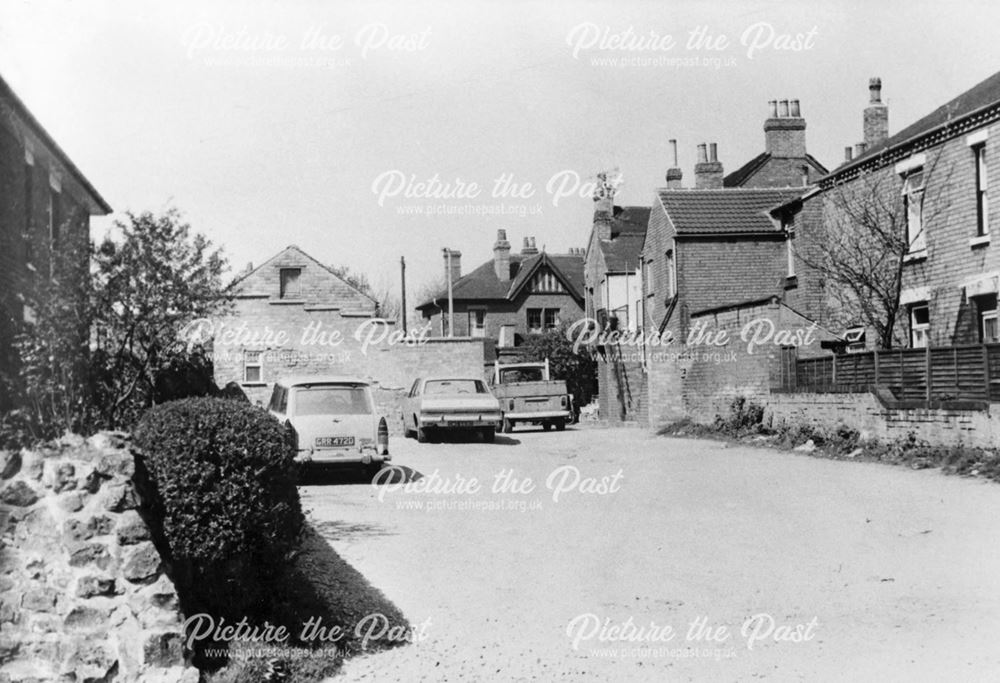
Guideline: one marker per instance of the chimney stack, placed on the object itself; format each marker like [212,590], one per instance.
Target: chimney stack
[604,206]
[785,130]
[708,170]
[860,148]
[454,263]
[529,248]
[674,174]
[501,256]
[876,116]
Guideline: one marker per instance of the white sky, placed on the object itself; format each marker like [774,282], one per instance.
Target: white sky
[261,156]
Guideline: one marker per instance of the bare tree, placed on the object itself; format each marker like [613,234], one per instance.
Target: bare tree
[859,246]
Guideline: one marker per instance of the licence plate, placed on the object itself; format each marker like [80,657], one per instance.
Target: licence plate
[333,441]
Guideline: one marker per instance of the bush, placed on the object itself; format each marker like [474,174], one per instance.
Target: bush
[745,417]
[224,506]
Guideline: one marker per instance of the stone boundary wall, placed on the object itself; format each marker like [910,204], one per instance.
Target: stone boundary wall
[84,593]
[863,412]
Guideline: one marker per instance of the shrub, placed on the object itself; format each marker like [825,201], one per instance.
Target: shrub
[224,504]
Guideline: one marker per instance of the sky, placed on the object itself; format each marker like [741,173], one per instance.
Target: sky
[363,132]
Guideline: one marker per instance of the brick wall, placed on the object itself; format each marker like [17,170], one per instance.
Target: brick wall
[623,394]
[864,413]
[700,380]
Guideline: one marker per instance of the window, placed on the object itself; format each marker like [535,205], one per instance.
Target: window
[913,203]
[477,323]
[534,320]
[671,274]
[989,330]
[982,183]
[551,318]
[253,367]
[542,319]
[920,325]
[332,399]
[454,386]
[279,400]
[290,286]
[29,201]
[790,253]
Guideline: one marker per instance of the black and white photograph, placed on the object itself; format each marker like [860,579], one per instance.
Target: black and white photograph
[443,340]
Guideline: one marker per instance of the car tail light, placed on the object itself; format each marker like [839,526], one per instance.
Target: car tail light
[382,440]
[293,436]
[510,404]
[564,401]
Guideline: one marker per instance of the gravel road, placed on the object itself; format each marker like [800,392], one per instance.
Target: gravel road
[632,557]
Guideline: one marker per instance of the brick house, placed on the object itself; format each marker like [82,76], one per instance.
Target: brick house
[46,209]
[942,168]
[511,296]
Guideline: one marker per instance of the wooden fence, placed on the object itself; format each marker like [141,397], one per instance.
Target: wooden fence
[946,373]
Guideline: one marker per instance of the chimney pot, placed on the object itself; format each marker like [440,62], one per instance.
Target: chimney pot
[673,152]
[773,104]
[795,108]
[875,90]
[708,171]
[783,108]
[713,151]
[848,153]
[859,149]
[702,153]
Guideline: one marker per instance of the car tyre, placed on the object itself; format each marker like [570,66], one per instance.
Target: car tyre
[489,434]
[421,432]
[508,426]
[546,425]
[560,425]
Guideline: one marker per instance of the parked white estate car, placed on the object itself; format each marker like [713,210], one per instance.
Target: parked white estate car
[332,419]
[438,403]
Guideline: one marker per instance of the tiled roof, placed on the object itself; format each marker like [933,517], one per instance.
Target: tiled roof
[482,283]
[725,211]
[979,96]
[630,220]
[622,253]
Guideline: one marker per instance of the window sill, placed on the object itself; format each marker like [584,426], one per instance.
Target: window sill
[981,241]
[287,302]
[915,256]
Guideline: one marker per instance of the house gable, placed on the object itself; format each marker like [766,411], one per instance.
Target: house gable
[317,285]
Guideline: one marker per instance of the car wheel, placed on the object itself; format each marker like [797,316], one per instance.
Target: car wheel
[489,434]
[508,426]
[560,425]
[373,469]
[421,435]
[546,425]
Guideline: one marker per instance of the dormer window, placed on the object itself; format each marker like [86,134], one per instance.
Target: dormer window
[290,283]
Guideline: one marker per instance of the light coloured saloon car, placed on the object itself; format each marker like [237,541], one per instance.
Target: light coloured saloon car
[333,420]
[450,403]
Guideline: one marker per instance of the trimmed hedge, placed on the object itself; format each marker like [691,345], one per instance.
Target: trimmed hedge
[221,478]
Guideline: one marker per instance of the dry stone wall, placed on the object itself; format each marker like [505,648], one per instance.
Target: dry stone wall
[84,593]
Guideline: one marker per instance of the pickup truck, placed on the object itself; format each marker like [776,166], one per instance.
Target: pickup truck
[527,394]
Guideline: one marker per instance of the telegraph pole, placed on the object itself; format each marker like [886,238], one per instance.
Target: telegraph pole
[402,283]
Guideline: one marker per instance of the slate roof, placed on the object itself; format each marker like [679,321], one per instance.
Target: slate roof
[482,283]
[725,211]
[741,175]
[980,96]
[628,234]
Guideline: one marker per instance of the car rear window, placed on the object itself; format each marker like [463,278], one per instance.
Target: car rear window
[454,386]
[332,400]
